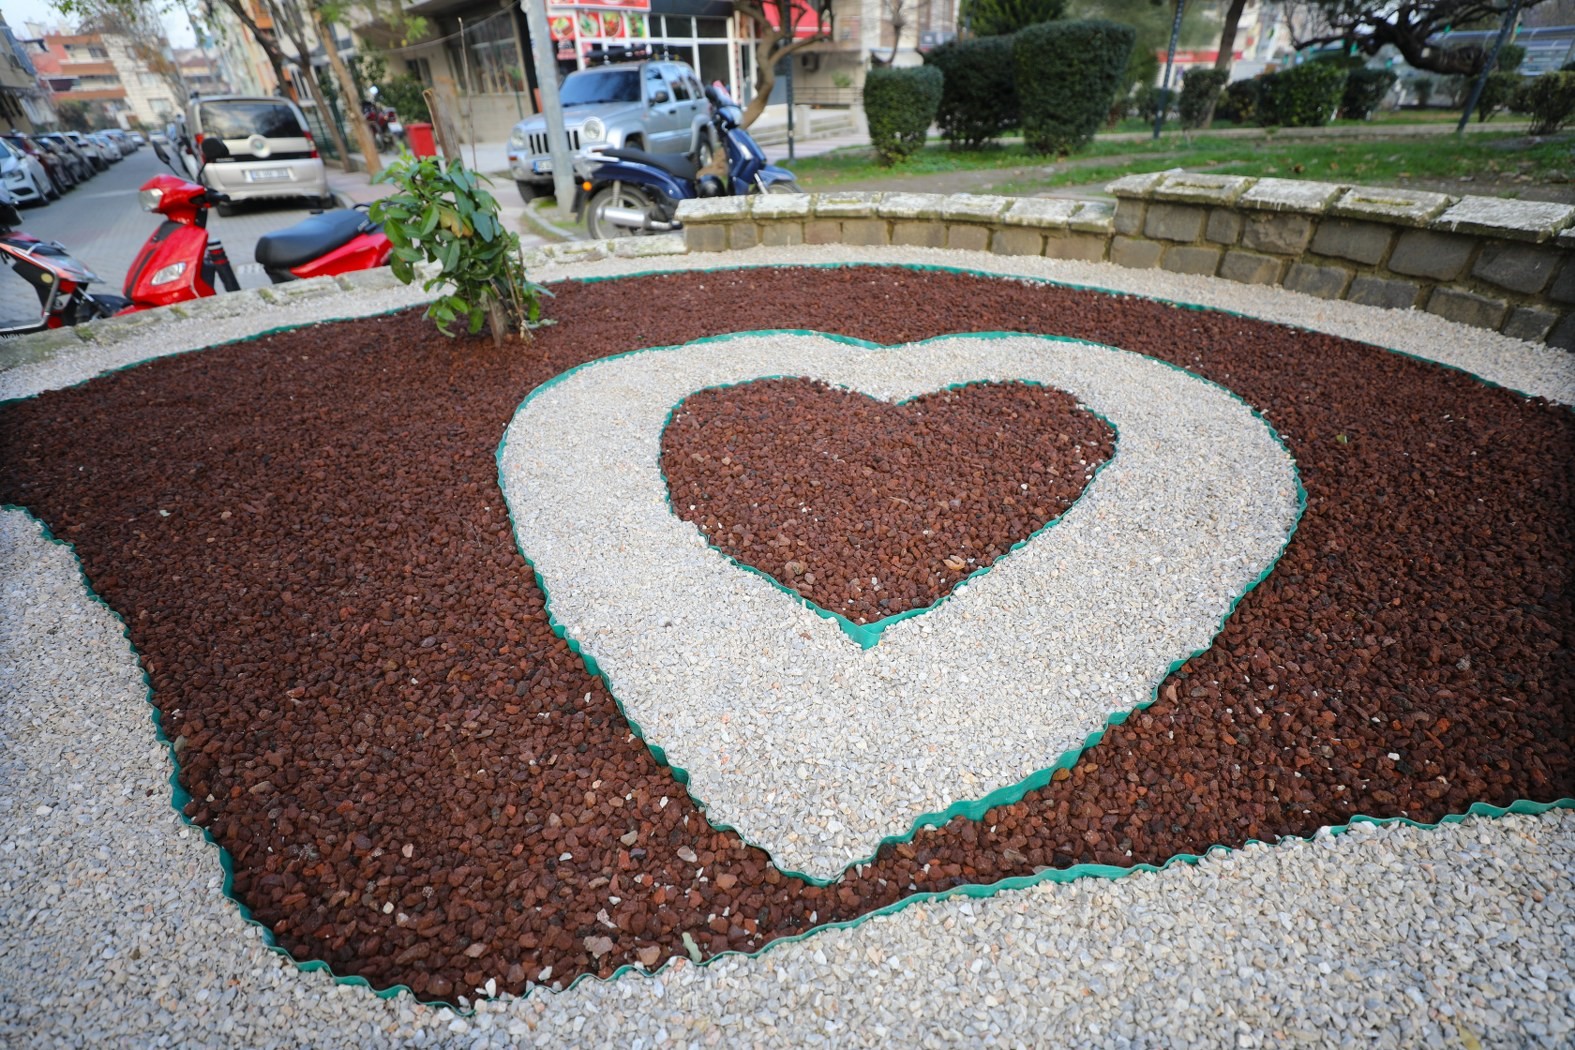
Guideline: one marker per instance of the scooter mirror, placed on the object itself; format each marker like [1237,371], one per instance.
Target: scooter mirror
[161,153]
[214,149]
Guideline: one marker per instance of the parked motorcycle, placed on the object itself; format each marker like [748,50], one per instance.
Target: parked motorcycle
[628,192]
[387,131]
[180,261]
[53,275]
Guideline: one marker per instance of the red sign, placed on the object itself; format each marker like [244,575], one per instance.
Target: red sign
[805,22]
[621,5]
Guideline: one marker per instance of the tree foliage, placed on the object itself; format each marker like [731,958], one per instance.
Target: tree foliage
[900,105]
[1005,17]
[978,95]
[1415,28]
[773,43]
[1067,76]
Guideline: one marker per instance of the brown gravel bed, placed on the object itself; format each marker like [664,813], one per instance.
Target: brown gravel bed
[419,783]
[827,490]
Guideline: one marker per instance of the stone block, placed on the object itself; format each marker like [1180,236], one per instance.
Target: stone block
[1189,259]
[967,237]
[1378,291]
[648,247]
[1095,217]
[1018,240]
[1282,234]
[1046,213]
[1562,290]
[782,234]
[1398,207]
[1128,219]
[706,237]
[845,205]
[1080,247]
[1311,198]
[1502,217]
[1519,267]
[1251,269]
[1136,186]
[1529,323]
[1174,222]
[742,235]
[910,206]
[919,234]
[1563,335]
[1363,242]
[1224,226]
[781,206]
[1437,256]
[1135,253]
[823,231]
[975,207]
[1193,188]
[1454,304]
[581,251]
[865,232]
[713,209]
[1325,282]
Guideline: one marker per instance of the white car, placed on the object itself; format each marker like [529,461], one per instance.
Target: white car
[23,176]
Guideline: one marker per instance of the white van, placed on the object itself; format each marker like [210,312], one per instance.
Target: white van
[271,152]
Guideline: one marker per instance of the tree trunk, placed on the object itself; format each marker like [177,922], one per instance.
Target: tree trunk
[1228,34]
[347,91]
[292,27]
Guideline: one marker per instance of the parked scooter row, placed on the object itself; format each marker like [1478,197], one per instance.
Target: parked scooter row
[50,273]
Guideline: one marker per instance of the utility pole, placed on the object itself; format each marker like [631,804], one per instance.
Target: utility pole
[1170,64]
[1510,17]
[546,61]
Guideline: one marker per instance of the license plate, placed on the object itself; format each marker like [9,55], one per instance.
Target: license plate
[541,167]
[267,174]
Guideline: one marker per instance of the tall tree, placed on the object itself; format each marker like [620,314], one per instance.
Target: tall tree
[1004,17]
[777,23]
[1415,28]
[287,16]
[1228,34]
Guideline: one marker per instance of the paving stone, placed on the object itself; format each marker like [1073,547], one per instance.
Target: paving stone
[1562,290]
[1224,226]
[1248,268]
[1519,267]
[1400,207]
[1439,256]
[1135,253]
[919,234]
[1455,304]
[1378,291]
[1290,195]
[1174,222]
[1326,282]
[648,247]
[1535,221]
[1363,242]
[1018,240]
[968,237]
[1529,323]
[1281,234]
[1194,188]
[1191,259]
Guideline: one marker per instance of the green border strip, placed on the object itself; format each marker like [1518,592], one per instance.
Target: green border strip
[868,635]
[978,890]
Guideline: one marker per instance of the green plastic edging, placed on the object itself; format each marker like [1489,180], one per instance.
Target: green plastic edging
[981,890]
[868,635]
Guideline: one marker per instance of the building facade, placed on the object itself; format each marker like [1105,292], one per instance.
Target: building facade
[25,104]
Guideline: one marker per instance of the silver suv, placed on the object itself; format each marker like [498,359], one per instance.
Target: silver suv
[656,106]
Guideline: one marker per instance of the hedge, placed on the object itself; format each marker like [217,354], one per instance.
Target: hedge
[1364,91]
[1304,96]
[1239,103]
[1067,76]
[1005,17]
[1200,91]
[900,105]
[1549,100]
[978,94]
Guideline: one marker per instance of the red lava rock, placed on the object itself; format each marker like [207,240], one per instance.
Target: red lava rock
[334,504]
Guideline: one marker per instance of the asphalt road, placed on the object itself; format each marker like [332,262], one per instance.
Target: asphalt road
[103,226]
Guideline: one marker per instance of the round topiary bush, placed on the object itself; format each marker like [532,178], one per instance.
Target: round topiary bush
[1305,96]
[900,105]
[1200,91]
[1067,75]
[1364,91]
[1549,100]
[1239,102]
[978,96]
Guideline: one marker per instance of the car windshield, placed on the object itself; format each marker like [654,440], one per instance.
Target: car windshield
[239,120]
[586,89]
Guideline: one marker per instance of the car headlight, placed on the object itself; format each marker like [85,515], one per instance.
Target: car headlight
[517,139]
[150,199]
[167,274]
[593,130]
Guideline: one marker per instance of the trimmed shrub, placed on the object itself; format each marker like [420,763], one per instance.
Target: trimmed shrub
[1005,17]
[1200,92]
[1549,100]
[1067,75]
[978,94]
[1364,90]
[1304,96]
[1239,103]
[1510,56]
[1499,92]
[901,105]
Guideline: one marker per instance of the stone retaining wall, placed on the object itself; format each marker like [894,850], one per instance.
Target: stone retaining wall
[1485,261]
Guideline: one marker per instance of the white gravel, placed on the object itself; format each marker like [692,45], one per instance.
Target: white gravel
[816,749]
[114,930]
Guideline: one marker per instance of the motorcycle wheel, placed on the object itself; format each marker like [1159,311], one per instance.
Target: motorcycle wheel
[615,196]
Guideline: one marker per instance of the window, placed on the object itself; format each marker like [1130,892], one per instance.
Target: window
[490,55]
[239,120]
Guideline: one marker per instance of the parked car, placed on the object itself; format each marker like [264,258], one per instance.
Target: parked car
[106,142]
[81,166]
[58,174]
[92,150]
[659,107]
[271,152]
[23,176]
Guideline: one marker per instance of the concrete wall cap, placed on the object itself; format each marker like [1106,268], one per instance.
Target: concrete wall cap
[974,206]
[1136,185]
[781,206]
[1043,212]
[1095,217]
[1535,221]
[910,206]
[1202,189]
[1290,195]
[713,209]
[845,205]
[648,247]
[1401,207]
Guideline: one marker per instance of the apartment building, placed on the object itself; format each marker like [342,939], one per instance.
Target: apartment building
[25,104]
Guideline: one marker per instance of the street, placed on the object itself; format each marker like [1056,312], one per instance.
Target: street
[103,226]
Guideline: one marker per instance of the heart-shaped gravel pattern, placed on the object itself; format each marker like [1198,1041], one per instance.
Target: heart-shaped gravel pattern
[417,782]
[870,509]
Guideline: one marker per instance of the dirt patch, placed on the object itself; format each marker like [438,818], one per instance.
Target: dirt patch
[419,783]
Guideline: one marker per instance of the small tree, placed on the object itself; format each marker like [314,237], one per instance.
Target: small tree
[1067,76]
[1200,90]
[978,94]
[777,23]
[900,105]
[1303,96]
[1364,92]
[1549,100]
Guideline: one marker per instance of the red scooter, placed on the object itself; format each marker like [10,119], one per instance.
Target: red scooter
[180,261]
[56,280]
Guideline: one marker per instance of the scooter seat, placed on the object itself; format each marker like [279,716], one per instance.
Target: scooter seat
[678,164]
[311,238]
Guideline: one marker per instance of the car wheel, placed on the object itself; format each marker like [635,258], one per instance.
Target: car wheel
[529,191]
[614,196]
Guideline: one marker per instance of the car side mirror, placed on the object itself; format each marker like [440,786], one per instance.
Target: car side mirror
[214,149]
[658,97]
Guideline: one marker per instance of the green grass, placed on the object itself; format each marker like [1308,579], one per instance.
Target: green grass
[1374,161]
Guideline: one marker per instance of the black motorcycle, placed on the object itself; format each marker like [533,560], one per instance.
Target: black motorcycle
[53,290]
